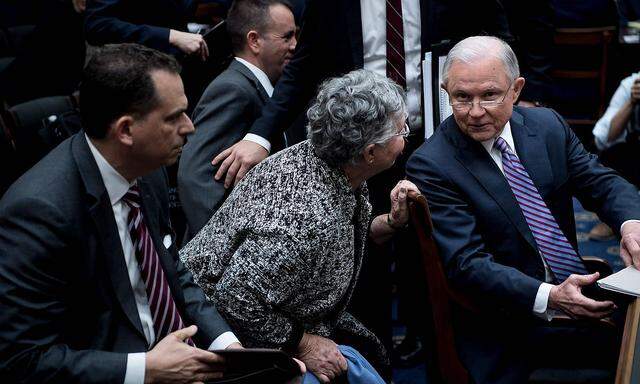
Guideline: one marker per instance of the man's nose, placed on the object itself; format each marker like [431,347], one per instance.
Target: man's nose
[188,127]
[476,110]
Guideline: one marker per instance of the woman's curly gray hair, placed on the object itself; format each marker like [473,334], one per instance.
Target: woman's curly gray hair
[351,112]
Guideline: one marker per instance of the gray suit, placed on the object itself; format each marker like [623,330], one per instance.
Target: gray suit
[224,114]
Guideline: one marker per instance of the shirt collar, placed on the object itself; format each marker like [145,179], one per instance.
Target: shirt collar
[506,136]
[259,74]
[116,185]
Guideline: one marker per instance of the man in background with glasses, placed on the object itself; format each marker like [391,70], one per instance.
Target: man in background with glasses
[500,181]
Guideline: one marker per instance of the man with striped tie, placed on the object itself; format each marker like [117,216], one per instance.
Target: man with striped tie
[91,288]
[500,181]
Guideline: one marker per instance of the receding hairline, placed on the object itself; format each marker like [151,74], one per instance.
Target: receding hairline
[479,48]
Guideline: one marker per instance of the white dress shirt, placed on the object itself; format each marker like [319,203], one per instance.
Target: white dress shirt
[268,88]
[117,186]
[603,126]
[374,44]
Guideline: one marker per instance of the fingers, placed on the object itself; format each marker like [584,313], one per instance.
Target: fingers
[323,378]
[225,166]
[240,175]
[632,249]
[342,364]
[582,280]
[626,257]
[222,155]
[598,306]
[231,173]
[204,377]
[211,359]
[402,195]
[303,368]
[184,333]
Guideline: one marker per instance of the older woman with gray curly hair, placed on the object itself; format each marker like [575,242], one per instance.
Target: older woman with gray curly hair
[281,257]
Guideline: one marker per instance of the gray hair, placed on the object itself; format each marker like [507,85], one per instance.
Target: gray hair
[475,48]
[351,112]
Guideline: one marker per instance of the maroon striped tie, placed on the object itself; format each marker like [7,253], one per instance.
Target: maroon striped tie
[166,318]
[395,43]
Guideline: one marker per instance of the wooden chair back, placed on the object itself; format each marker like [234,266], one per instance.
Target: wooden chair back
[441,296]
[592,73]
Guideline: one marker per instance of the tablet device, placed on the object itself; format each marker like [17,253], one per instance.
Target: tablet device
[594,292]
[256,365]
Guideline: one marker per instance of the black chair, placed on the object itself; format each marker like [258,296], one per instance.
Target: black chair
[33,128]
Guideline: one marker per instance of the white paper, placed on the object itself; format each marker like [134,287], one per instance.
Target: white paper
[427,103]
[442,98]
[626,281]
[445,108]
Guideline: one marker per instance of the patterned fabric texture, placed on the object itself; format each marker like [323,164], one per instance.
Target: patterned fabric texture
[283,253]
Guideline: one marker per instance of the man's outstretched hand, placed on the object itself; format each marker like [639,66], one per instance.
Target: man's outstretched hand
[237,160]
[630,244]
[568,298]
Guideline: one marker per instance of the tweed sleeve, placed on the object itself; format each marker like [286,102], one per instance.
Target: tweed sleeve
[257,291]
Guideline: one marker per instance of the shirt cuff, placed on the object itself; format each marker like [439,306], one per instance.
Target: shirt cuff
[135,368]
[223,341]
[258,140]
[542,299]
[628,221]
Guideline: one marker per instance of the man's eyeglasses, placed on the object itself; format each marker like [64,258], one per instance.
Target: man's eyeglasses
[465,106]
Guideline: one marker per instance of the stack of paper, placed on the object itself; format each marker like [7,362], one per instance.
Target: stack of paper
[626,281]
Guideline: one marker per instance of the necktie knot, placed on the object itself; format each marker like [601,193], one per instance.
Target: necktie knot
[132,197]
[501,145]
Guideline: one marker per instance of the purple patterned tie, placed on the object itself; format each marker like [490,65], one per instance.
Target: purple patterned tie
[552,243]
[166,318]
[395,43]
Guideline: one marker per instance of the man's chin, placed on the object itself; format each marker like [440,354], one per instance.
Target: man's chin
[481,133]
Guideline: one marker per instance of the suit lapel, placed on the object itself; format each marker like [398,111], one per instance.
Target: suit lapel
[246,72]
[101,213]
[353,21]
[478,162]
[533,154]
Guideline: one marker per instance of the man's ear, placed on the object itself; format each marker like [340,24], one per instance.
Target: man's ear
[253,42]
[518,84]
[369,154]
[122,130]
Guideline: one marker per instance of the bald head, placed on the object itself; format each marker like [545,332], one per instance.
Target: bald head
[478,48]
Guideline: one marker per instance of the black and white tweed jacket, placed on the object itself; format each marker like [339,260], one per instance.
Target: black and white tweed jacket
[283,253]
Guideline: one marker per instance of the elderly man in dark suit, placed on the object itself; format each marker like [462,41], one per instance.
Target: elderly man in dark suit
[263,38]
[500,181]
[91,289]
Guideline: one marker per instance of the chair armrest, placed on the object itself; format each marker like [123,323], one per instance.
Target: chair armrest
[597,264]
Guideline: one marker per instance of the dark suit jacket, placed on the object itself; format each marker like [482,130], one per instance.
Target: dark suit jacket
[145,22]
[67,310]
[330,45]
[224,114]
[487,248]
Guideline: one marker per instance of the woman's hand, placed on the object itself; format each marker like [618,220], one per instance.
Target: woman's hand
[399,215]
[321,357]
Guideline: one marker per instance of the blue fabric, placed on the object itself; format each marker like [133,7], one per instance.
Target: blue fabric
[359,371]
